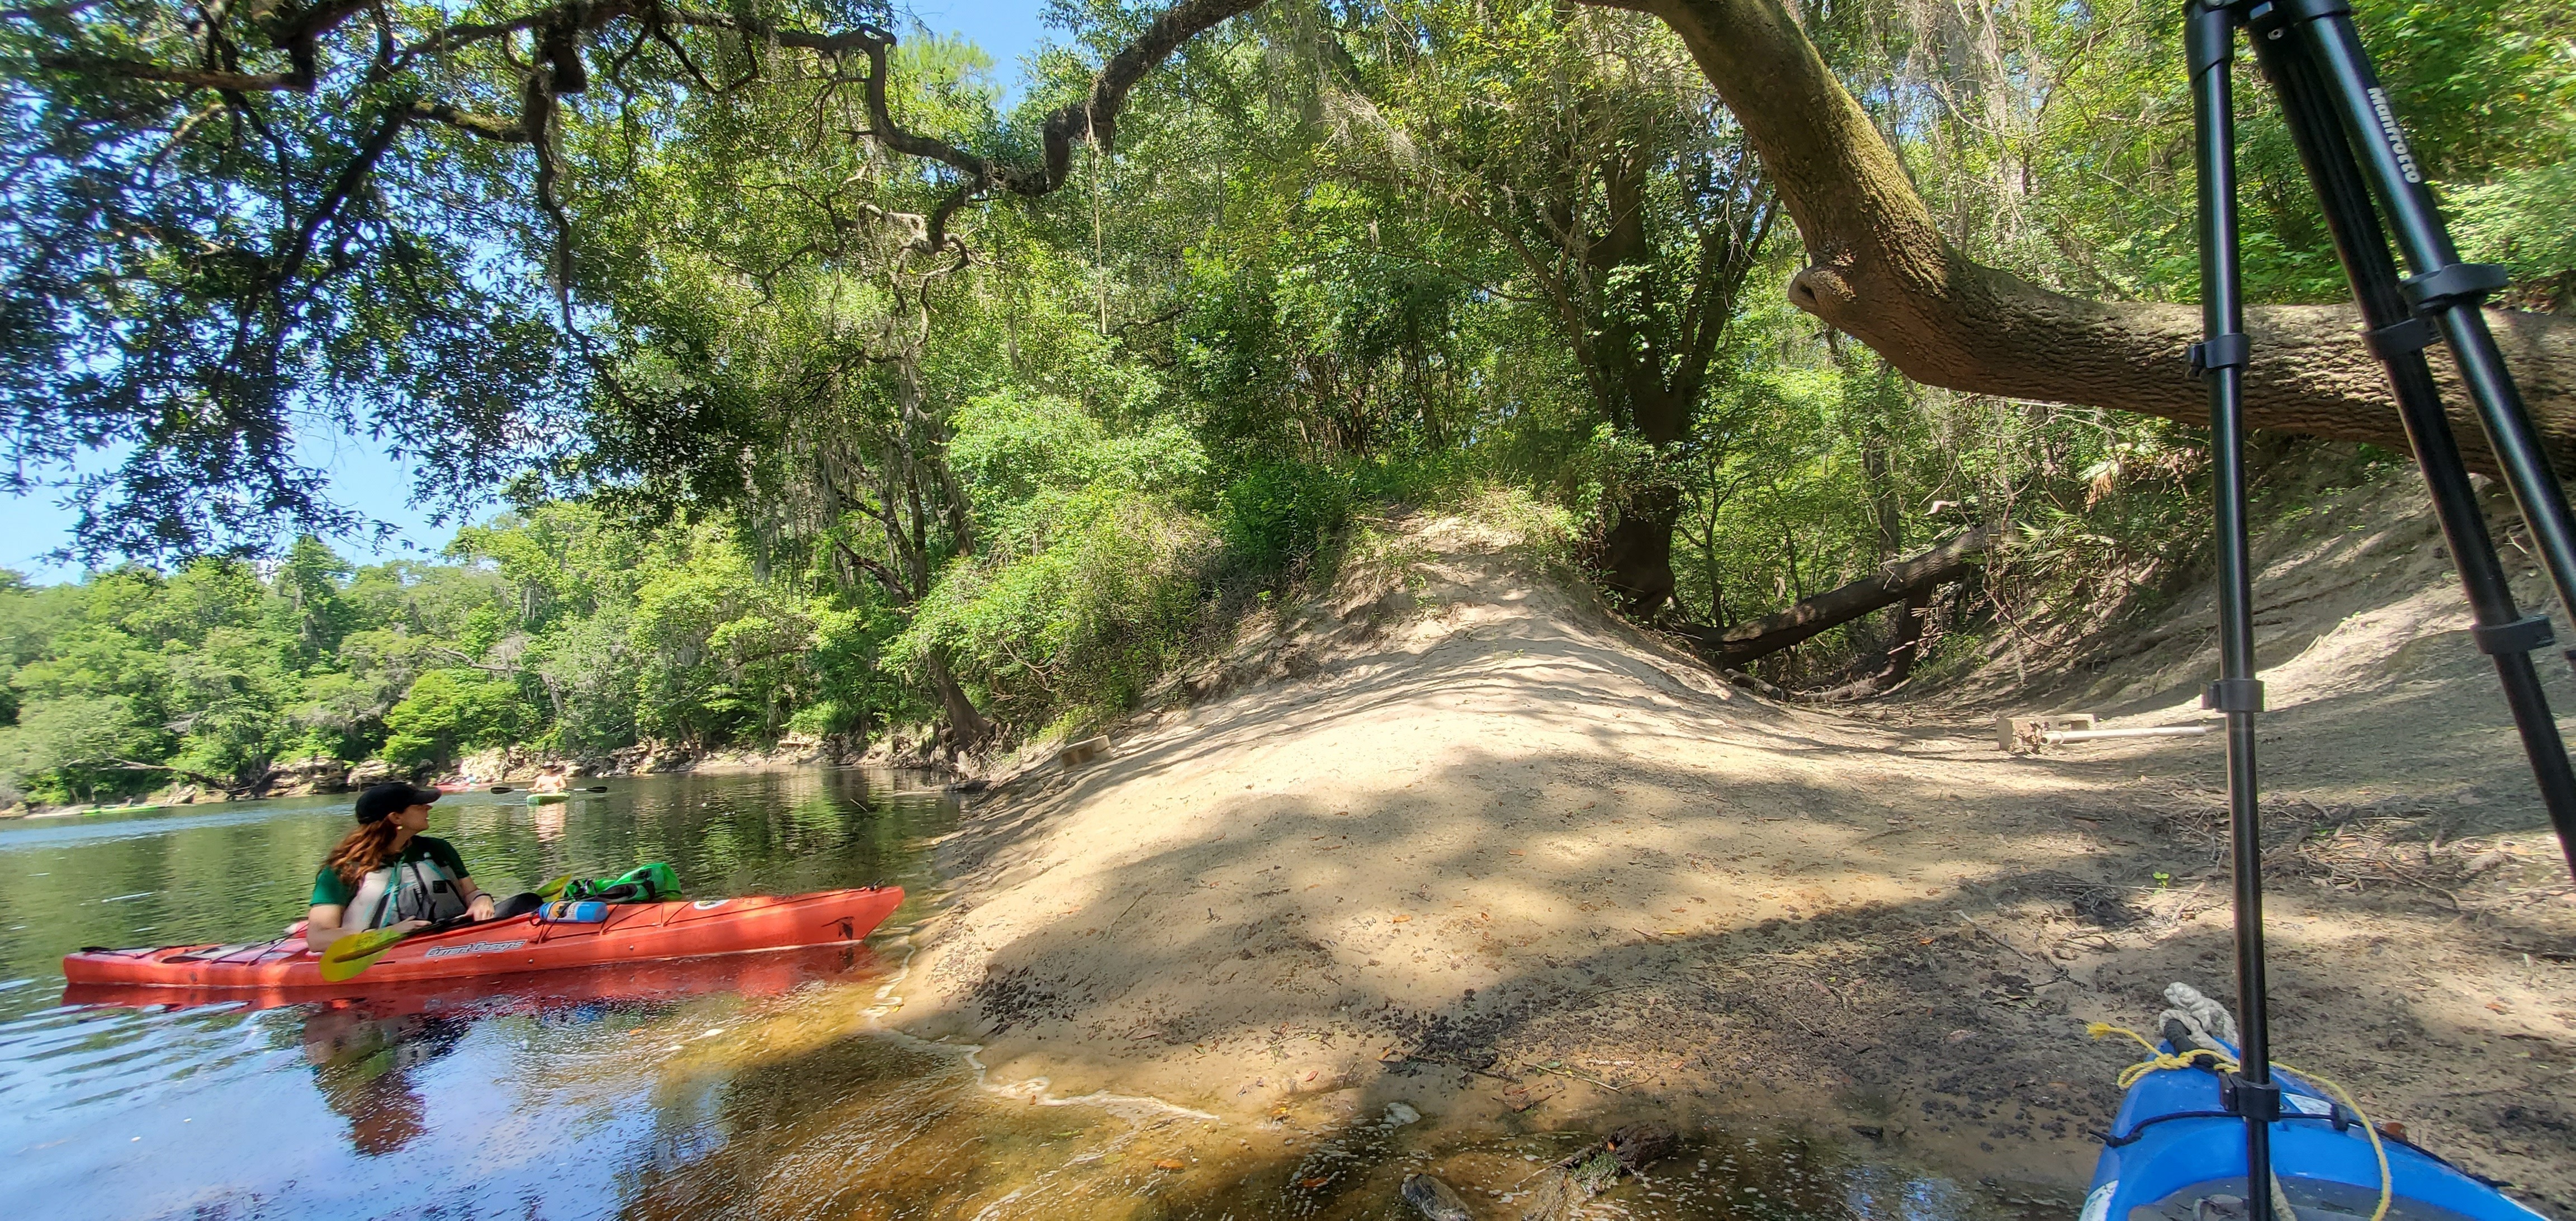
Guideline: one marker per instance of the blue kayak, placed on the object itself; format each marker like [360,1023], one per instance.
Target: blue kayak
[2174,1143]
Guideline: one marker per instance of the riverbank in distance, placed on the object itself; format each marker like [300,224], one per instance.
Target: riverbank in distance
[911,748]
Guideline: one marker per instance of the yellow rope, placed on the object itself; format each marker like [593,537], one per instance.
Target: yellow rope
[2367,1128]
[2159,1060]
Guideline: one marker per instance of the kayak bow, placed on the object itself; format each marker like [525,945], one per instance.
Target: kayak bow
[2177,1141]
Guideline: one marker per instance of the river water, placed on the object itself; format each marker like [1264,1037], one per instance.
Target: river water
[756,1086]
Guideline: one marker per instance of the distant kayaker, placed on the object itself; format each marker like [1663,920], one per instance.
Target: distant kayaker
[550,780]
[387,873]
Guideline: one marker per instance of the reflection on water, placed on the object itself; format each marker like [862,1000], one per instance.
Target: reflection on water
[755,1086]
[363,1065]
[474,1098]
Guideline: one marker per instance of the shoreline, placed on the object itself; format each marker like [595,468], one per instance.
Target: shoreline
[903,750]
[1517,865]
[719,763]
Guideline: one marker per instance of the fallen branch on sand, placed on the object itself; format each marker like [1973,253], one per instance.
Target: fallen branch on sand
[1893,583]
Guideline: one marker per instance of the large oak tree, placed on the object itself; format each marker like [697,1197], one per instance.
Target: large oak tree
[220,215]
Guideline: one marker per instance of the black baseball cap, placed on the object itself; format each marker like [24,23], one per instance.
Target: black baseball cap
[384,800]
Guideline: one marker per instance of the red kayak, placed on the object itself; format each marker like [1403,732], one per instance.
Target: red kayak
[770,973]
[637,932]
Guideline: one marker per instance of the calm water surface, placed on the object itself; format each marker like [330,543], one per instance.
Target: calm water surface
[753,1086]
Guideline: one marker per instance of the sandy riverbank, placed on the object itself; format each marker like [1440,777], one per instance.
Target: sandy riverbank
[1453,836]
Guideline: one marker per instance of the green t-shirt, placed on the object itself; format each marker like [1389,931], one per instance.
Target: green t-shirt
[330,891]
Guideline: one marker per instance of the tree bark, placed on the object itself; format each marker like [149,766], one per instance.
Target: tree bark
[1893,583]
[1638,551]
[967,727]
[1881,272]
[1906,646]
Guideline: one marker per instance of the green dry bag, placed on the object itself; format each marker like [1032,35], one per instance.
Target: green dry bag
[643,884]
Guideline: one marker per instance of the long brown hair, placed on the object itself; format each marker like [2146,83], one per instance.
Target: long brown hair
[363,851]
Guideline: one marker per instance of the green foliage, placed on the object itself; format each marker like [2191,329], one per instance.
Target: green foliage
[447,712]
[1014,444]
[1078,617]
[1093,568]
[558,629]
[814,471]
[2526,220]
[69,749]
[1279,513]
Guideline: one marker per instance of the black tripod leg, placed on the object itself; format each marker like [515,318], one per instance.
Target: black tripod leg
[2210,32]
[2443,288]
[2399,337]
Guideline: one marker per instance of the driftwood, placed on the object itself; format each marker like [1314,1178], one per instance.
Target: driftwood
[1900,581]
[2021,732]
[1565,1187]
[1083,752]
[227,787]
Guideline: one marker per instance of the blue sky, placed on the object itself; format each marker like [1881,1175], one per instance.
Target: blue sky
[361,476]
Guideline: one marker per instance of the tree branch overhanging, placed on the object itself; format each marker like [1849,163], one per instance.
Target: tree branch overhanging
[1881,272]
[1879,269]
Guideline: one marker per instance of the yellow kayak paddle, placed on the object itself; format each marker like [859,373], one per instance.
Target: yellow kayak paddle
[359,951]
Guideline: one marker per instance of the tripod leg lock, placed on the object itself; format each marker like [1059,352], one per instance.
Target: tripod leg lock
[2520,636]
[2399,338]
[2459,283]
[2258,1102]
[2218,352]
[2234,695]
[2209,36]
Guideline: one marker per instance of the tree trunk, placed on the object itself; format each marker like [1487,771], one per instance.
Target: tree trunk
[1906,646]
[1881,272]
[1639,551]
[1896,582]
[1901,655]
[966,724]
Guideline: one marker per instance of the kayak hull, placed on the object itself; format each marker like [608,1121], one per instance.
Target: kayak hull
[755,973]
[547,799]
[638,932]
[2174,1143]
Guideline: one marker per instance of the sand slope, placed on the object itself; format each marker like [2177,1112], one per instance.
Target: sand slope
[1454,835]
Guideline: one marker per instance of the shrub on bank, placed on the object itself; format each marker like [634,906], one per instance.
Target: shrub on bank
[1076,616]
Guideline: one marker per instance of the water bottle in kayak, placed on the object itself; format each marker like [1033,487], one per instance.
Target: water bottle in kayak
[573,911]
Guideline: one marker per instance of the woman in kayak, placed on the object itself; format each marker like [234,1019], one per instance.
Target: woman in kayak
[386,873]
[549,781]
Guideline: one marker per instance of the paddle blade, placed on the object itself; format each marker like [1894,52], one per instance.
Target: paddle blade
[501,788]
[554,887]
[358,951]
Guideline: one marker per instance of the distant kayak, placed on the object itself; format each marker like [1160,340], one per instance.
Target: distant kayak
[637,932]
[547,799]
[86,811]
